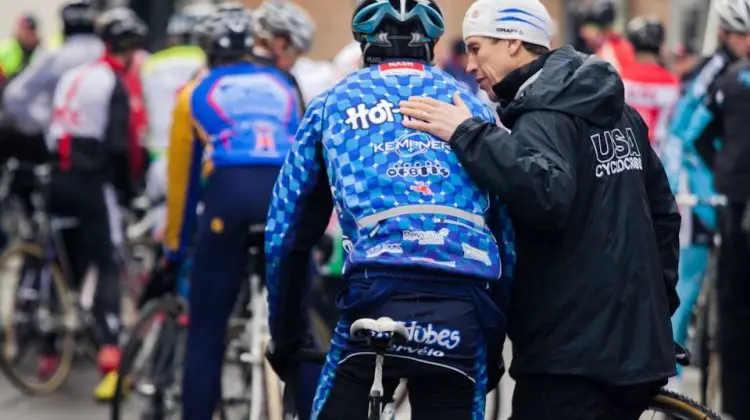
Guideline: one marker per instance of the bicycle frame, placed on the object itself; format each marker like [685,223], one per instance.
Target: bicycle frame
[257,330]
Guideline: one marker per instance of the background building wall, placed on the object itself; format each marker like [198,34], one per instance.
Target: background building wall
[332,17]
[45,10]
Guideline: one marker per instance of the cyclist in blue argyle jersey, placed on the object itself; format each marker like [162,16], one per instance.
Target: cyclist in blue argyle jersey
[426,246]
[688,155]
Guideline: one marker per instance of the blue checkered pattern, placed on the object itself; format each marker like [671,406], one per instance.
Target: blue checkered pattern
[374,164]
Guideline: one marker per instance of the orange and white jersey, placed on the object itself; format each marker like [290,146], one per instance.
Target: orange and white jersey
[653,91]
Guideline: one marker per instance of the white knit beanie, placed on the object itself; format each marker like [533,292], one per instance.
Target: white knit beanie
[525,20]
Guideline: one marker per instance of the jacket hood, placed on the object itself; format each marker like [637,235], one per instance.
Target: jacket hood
[567,81]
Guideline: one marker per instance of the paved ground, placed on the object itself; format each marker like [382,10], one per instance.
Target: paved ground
[74,401]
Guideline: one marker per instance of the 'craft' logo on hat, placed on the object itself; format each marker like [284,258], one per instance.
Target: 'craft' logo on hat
[510,31]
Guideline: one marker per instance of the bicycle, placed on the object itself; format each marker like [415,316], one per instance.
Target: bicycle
[384,332]
[705,312]
[155,347]
[42,308]
[13,208]
[139,253]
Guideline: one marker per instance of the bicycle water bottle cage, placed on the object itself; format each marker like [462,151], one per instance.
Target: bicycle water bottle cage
[380,334]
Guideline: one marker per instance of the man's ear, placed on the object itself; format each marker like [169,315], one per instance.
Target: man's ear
[514,47]
[279,45]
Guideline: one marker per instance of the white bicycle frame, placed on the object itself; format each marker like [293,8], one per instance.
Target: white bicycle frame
[263,379]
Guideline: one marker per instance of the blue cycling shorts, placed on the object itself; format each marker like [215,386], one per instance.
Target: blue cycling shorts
[446,349]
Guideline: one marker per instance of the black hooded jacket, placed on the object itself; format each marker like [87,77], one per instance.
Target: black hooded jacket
[596,223]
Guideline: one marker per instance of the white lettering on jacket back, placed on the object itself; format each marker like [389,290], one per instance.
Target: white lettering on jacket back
[616,152]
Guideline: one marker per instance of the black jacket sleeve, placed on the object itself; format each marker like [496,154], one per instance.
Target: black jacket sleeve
[531,169]
[116,138]
[705,143]
[666,220]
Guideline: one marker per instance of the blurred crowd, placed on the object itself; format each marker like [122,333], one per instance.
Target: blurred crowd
[656,83]
[595,25]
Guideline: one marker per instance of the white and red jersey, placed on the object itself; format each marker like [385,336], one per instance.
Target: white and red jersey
[653,91]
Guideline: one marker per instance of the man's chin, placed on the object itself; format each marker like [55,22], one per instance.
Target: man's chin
[487,88]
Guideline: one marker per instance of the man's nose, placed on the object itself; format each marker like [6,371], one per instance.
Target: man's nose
[471,65]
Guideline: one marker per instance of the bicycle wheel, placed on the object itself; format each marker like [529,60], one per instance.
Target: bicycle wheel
[679,407]
[37,314]
[153,345]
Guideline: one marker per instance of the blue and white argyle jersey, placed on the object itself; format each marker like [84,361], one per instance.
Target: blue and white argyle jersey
[401,196]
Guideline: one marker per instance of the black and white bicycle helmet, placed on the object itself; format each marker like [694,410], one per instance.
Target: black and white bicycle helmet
[183,23]
[231,6]
[646,33]
[601,13]
[287,19]
[122,30]
[734,15]
[229,34]
[78,17]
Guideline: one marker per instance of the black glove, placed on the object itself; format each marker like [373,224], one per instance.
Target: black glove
[324,249]
[281,357]
[163,280]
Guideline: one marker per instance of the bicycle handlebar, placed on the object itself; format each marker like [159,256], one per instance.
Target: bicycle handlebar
[693,200]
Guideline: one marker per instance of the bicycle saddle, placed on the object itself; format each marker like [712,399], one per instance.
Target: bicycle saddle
[383,329]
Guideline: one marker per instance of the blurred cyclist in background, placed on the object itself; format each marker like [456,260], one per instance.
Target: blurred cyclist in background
[28,98]
[649,87]
[455,65]
[231,128]
[689,151]
[163,74]
[729,105]
[17,51]
[683,60]
[89,135]
[597,19]
[284,31]
[723,116]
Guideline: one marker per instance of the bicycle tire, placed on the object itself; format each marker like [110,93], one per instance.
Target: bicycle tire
[322,336]
[163,362]
[67,336]
[680,407]
[133,345]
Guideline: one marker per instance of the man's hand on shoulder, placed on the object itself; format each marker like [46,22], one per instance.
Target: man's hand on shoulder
[438,118]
